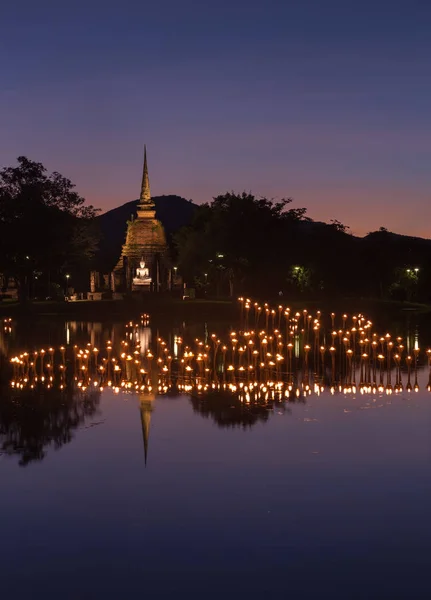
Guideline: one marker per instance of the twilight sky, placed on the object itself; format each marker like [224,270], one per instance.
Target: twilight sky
[326,101]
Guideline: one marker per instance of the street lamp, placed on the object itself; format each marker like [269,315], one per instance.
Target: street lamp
[174,279]
[67,276]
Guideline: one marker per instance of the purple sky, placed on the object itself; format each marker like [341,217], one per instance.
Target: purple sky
[324,101]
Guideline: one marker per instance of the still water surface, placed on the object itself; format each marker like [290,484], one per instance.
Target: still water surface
[123,495]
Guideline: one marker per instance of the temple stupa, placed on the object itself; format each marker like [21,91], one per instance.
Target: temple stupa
[144,262]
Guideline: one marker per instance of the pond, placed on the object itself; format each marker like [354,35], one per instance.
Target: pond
[127,477]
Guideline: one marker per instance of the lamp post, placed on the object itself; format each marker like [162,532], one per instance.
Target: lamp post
[66,285]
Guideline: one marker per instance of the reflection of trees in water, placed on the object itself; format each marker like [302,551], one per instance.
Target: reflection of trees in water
[31,421]
[227,410]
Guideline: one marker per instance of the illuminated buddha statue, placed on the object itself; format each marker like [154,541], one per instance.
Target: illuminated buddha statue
[142,275]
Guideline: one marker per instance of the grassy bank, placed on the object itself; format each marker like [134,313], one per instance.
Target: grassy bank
[168,308]
[130,308]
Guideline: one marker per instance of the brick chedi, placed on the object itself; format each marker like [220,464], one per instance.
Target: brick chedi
[144,262]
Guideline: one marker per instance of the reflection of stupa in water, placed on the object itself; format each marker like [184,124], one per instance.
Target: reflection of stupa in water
[146,408]
[146,400]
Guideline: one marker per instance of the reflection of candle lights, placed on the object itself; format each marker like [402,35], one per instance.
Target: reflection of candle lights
[261,365]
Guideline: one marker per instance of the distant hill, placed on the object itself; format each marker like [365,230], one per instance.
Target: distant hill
[380,235]
[400,238]
[174,212]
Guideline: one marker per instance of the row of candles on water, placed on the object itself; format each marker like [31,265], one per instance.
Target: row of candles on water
[287,358]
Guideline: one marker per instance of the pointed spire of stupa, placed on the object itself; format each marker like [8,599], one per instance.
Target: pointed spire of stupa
[145,197]
[146,409]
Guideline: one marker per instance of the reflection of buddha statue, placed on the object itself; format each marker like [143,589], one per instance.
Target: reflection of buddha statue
[142,275]
[143,335]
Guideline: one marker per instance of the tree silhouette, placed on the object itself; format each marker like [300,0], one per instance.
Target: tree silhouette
[32,421]
[235,240]
[227,410]
[45,226]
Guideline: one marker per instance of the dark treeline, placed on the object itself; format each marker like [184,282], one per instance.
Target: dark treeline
[237,244]
[243,244]
[48,235]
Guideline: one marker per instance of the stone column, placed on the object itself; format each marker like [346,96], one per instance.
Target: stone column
[93,281]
